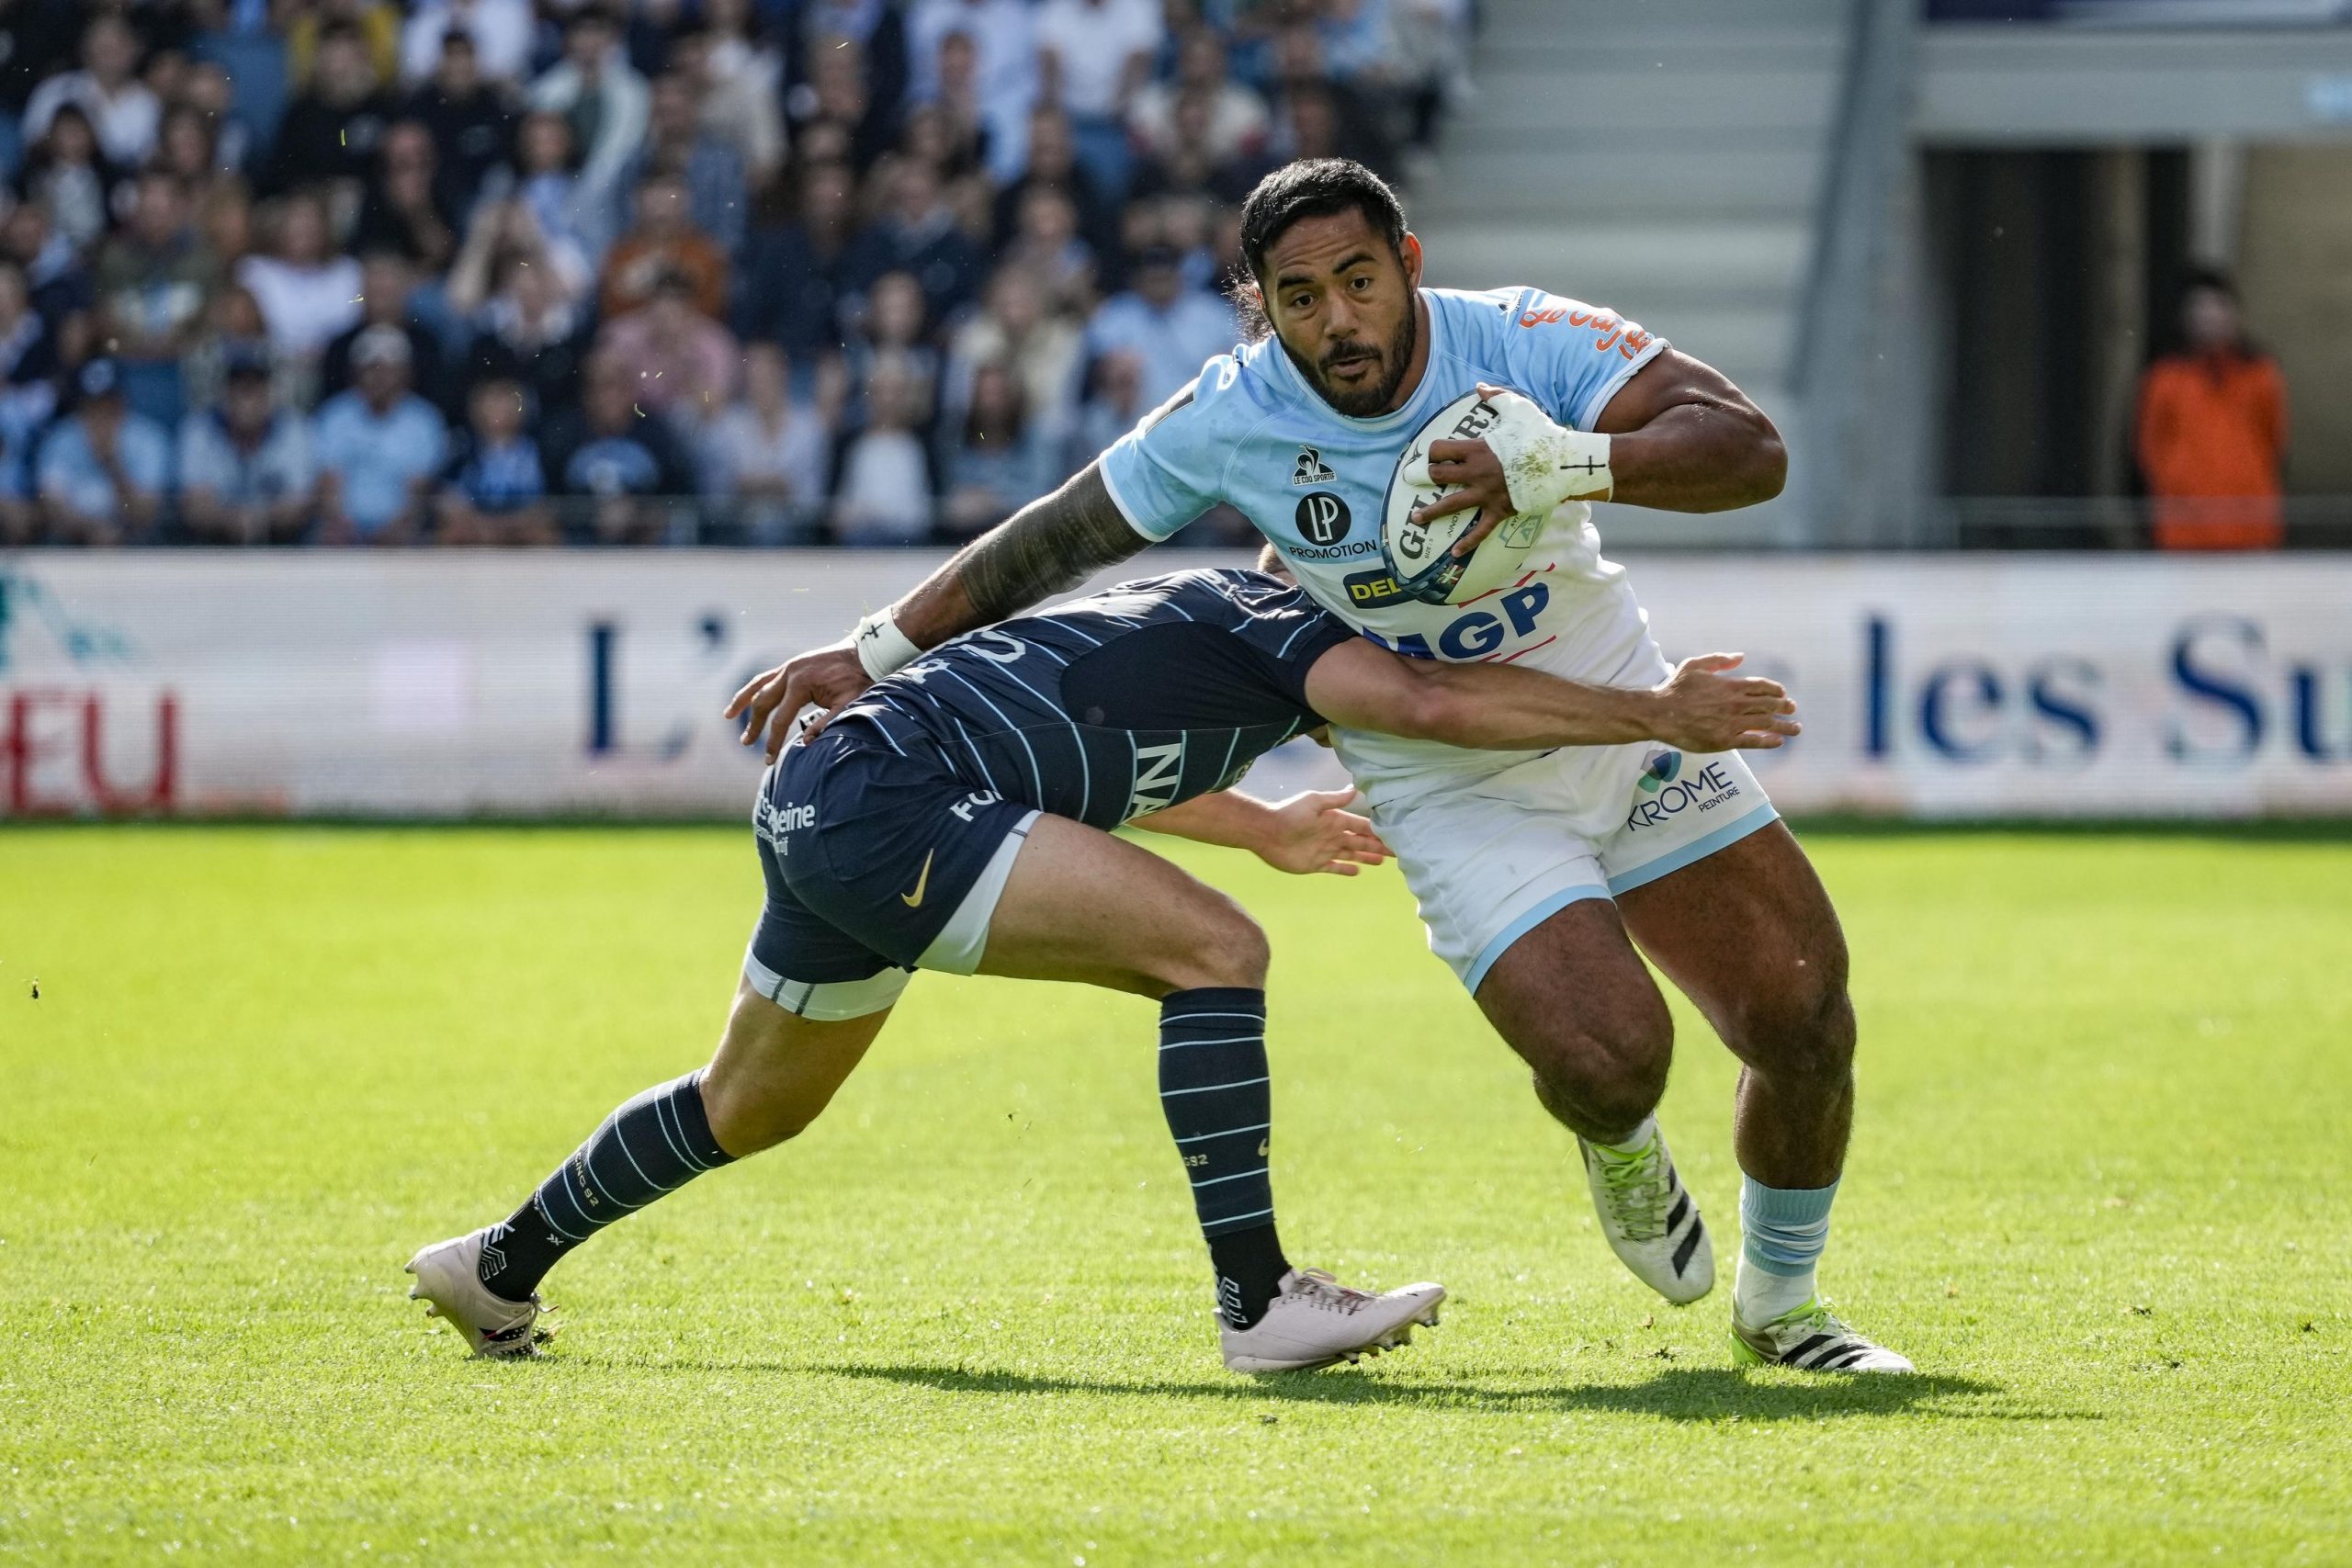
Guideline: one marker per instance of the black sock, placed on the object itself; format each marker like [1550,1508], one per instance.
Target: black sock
[1250,1268]
[1214,1090]
[652,1146]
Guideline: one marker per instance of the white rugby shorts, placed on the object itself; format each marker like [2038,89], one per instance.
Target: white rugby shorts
[1491,858]
[1493,843]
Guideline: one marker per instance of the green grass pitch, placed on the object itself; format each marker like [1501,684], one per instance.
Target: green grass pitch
[2098,1191]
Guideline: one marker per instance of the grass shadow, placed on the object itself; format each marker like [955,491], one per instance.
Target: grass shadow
[1677,1393]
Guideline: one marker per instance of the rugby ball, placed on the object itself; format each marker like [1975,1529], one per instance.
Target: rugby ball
[1420,556]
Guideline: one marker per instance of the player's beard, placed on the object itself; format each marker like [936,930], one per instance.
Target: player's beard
[1396,358]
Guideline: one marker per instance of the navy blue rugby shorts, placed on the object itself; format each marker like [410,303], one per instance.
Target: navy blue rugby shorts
[878,862]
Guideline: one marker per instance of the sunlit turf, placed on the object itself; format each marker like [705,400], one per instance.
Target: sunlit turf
[2098,1191]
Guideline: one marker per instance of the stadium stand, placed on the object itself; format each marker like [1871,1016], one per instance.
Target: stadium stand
[876,272]
[725,271]
[1666,164]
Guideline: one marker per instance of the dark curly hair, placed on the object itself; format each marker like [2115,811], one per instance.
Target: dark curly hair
[1311,187]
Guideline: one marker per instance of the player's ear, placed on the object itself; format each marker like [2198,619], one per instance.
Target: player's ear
[1411,250]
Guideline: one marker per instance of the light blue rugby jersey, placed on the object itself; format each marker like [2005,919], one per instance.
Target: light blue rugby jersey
[1252,432]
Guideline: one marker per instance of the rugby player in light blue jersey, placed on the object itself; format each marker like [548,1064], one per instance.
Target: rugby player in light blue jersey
[1538,874]
[958,815]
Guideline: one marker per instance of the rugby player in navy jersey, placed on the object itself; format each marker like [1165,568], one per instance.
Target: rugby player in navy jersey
[1677,850]
[958,816]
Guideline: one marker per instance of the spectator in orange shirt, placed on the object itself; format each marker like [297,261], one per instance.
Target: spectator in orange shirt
[2213,431]
[664,242]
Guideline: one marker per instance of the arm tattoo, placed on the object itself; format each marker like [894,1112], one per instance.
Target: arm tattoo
[1045,548]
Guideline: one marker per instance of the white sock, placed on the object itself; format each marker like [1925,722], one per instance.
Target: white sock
[1760,1295]
[1633,1142]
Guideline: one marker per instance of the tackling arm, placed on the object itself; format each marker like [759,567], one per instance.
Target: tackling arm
[1700,707]
[1313,831]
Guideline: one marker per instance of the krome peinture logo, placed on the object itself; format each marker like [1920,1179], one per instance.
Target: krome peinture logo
[1659,770]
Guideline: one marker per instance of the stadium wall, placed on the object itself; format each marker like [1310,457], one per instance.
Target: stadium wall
[591,684]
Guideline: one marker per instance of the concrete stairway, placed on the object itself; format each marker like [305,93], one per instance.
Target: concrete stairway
[1660,157]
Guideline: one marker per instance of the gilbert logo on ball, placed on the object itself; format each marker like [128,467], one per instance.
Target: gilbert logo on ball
[1419,554]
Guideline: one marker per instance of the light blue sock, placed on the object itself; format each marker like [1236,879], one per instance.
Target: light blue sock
[1782,1232]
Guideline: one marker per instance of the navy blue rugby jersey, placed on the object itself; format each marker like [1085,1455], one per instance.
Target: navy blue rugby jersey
[1118,705]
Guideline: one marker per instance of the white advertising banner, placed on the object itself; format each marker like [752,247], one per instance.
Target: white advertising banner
[423,684]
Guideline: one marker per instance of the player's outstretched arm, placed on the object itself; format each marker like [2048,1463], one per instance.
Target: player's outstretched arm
[1700,707]
[1051,545]
[1312,832]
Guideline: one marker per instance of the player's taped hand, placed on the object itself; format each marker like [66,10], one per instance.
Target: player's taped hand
[1523,466]
[1544,464]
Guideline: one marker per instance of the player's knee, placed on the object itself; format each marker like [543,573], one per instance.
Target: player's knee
[1803,1027]
[757,1132]
[1228,948]
[1632,1081]
[1601,1095]
[747,1114]
[1606,1073]
[1238,951]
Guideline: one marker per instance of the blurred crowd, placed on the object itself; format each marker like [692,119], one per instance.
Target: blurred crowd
[536,271]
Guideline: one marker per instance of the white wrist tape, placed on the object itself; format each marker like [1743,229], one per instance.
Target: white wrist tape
[1545,464]
[882,648]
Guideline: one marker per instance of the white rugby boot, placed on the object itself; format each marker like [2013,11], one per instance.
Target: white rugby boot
[1650,1219]
[448,1281]
[1317,1321]
[1812,1339]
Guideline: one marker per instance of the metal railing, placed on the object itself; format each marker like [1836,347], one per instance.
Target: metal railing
[575,521]
[2122,523]
[1941,524]
[2148,13]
